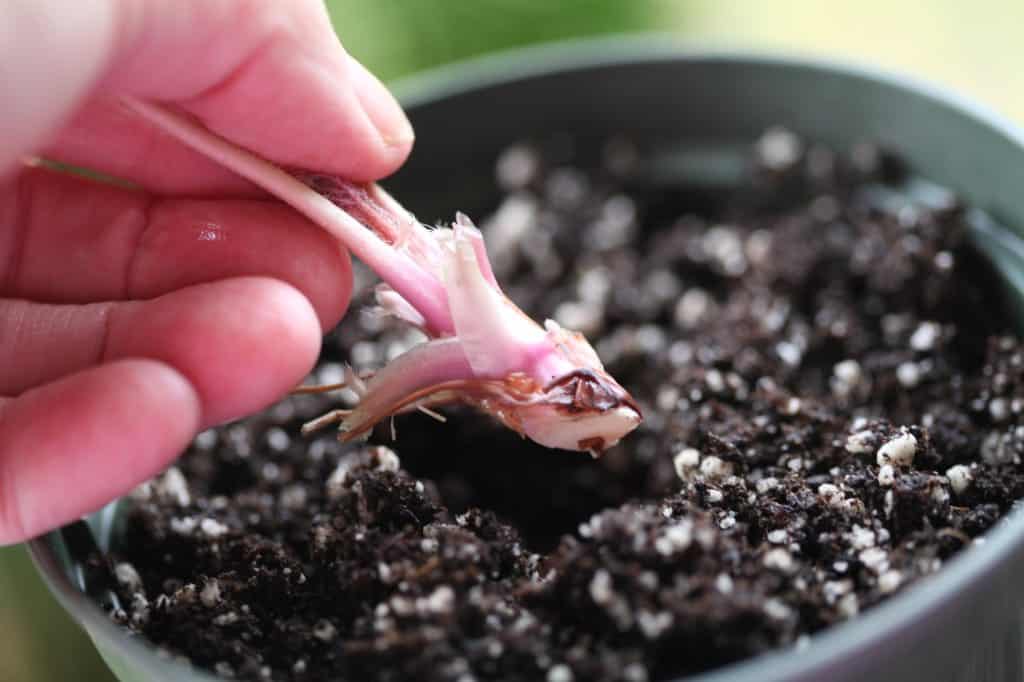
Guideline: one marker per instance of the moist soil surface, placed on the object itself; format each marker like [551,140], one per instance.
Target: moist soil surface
[830,415]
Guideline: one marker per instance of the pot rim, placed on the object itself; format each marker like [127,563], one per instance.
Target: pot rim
[842,642]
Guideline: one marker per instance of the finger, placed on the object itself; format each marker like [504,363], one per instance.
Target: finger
[72,240]
[281,85]
[104,134]
[242,343]
[69,447]
[270,76]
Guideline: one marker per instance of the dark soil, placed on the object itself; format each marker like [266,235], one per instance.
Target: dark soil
[830,416]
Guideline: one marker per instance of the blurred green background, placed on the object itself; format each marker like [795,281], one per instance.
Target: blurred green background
[972,46]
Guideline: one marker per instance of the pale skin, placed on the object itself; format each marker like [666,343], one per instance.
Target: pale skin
[132,318]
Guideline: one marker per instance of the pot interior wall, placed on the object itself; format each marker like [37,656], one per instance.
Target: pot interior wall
[699,101]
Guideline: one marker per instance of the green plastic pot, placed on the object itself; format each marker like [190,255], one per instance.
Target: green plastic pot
[963,624]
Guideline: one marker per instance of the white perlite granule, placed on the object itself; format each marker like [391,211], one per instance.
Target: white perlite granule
[960,478]
[860,443]
[675,538]
[324,630]
[831,494]
[601,587]
[925,336]
[335,484]
[229,618]
[908,374]
[834,589]
[277,439]
[889,581]
[999,409]
[715,468]
[212,528]
[635,672]
[183,525]
[861,538]
[996,449]
[387,459]
[173,484]
[777,609]
[210,594]
[715,381]
[875,558]
[686,463]
[560,673]
[724,583]
[847,376]
[516,167]
[654,624]
[848,606]
[789,353]
[899,451]
[128,577]
[441,600]
[778,148]
[778,559]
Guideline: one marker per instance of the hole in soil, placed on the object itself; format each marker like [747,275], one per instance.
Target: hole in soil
[543,493]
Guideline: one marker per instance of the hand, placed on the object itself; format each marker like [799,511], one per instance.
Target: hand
[132,318]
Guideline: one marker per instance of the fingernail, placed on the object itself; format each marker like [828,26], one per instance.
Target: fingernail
[381,107]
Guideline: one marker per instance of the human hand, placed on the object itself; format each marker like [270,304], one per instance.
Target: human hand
[132,318]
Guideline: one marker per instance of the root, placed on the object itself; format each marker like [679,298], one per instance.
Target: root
[332,417]
[353,380]
[430,413]
[320,388]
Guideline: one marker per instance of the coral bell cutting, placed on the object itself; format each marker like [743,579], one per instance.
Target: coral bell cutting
[546,382]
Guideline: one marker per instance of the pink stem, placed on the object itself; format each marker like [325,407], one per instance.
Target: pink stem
[424,291]
[479,248]
[425,365]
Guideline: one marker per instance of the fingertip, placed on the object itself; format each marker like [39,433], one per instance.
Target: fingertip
[291,319]
[70,446]
[323,116]
[331,305]
[386,114]
[277,347]
[281,85]
[159,382]
[242,343]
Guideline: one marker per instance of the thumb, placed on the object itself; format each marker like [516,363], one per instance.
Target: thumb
[271,76]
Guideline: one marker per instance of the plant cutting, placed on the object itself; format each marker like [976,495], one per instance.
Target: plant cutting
[546,383]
